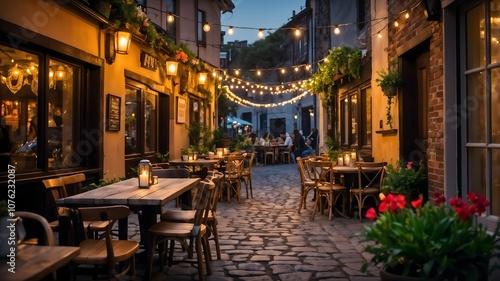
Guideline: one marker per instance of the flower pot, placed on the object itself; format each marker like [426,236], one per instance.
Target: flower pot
[390,91]
[387,276]
[185,157]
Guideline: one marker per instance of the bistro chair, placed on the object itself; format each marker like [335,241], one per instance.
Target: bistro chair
[370,178]
[306,182]
[181,232]
[117,256]
[175,173]
[246,174]
[187,216]
[269,152]
[232,175]
[73,183]
[326,187]
[286,154]
[33,223]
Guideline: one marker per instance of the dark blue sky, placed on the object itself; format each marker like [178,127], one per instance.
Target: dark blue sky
[258,14]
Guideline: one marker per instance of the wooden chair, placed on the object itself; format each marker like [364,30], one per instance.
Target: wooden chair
[269,151]
[73,183]
[232,175]
[246,174]
[326,187]
[106,252]
[187,216]
[181,232]
[286,154]
[175,173]
[57,190]
[370,178]
[306,182]
[44,237]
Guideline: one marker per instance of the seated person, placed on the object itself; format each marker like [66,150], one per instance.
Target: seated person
[308,151]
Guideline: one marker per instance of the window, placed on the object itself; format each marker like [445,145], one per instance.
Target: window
[356,118]
[171,26]
[201,21]
[480,80]
[141,133]
[39,128]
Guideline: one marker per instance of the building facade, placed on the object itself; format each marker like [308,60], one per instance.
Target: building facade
[71,103]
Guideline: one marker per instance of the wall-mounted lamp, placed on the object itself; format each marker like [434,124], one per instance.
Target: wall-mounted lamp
[122,39]
[432,9]
[202,78]
[172,68]
[311,112]
[60,73]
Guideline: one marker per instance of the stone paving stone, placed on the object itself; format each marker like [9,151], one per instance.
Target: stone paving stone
[265,239]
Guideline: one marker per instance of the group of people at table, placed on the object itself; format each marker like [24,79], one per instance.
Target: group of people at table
[297,143]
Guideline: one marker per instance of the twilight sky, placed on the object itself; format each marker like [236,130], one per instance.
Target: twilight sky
[258,14]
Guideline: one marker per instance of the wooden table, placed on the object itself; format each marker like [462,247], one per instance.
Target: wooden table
[208,164]
[146,203]
[36,262]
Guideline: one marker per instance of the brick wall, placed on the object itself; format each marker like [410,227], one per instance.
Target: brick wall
[398,36]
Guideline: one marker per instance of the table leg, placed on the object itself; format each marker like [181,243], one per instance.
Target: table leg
[147,217]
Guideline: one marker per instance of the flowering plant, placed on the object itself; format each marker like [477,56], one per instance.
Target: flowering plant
[181,56]
[431,241]
[404,179]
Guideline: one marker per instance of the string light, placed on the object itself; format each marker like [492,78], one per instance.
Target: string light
[206,27]
[237,72]
[170,17]
[336,30]
[297,32]
[407,15]
[230,31]
[260,34]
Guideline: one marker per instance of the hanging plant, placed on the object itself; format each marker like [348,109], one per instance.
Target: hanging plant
[389,81]
[342,62]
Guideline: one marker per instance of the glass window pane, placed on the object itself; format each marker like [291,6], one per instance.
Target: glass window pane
[19,109]
[495,30]
[476,162]
[475,37]
[132,102]
[344,115]
[495,105]
[151,122]
[476,115]
[60,99]
[495,189]
[367,111]
[354,119]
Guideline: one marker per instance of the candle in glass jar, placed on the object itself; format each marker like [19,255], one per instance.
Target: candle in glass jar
[226,151]
[220,152]
[340,160]
[353,155]
[347,160]
[143,180]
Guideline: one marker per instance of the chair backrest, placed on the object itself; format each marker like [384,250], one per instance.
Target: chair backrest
[172,173]
[74,183]
[322,172]
[48,235]
[216,178]
[302,172]
[203,196]
[56,188]
[249,158]
[234,165]
[370,174]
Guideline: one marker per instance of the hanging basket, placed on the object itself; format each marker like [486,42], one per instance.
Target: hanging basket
[390,91]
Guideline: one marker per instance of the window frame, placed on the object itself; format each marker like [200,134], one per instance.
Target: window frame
[361,118]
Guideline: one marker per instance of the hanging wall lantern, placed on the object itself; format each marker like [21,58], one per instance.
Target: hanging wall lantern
[122,39]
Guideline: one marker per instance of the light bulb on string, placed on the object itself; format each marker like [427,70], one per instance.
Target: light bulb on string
[230,31]
[260,34]
[170,18]
[297,32]
[283,71]
[258,72]
[296,69]
[206,27]
[396,23]
[407,15]
[379,34]
[336,30]
[237,72]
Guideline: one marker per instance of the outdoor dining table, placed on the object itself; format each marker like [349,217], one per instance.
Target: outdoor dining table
[33,262]
[147,203]
[203,165]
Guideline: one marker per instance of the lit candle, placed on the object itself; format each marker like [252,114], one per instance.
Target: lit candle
[143,180]
[220,152]
[226,151]
[340,160]
[347,160]
[353,155]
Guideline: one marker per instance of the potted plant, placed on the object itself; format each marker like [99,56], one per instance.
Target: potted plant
[432,241]
[185,154]
[162,159]
[389,81]
[333,147]
[404,179]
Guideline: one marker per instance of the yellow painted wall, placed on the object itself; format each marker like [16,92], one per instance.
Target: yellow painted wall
[384,147]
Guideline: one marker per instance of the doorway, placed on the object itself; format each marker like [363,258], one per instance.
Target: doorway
[413,105]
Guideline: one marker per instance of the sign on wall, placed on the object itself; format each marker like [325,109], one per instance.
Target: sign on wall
[113,113]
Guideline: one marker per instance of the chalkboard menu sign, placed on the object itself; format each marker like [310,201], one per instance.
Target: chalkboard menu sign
[113,113]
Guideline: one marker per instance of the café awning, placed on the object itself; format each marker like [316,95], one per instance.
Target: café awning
[230,121]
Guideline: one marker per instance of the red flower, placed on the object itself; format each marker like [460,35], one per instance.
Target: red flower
[371,214]
[409,165]
[417,203]
[392,202]
[440,199]
[181,56]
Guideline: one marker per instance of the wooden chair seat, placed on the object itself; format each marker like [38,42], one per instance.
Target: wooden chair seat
[326,187]
[94,251]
